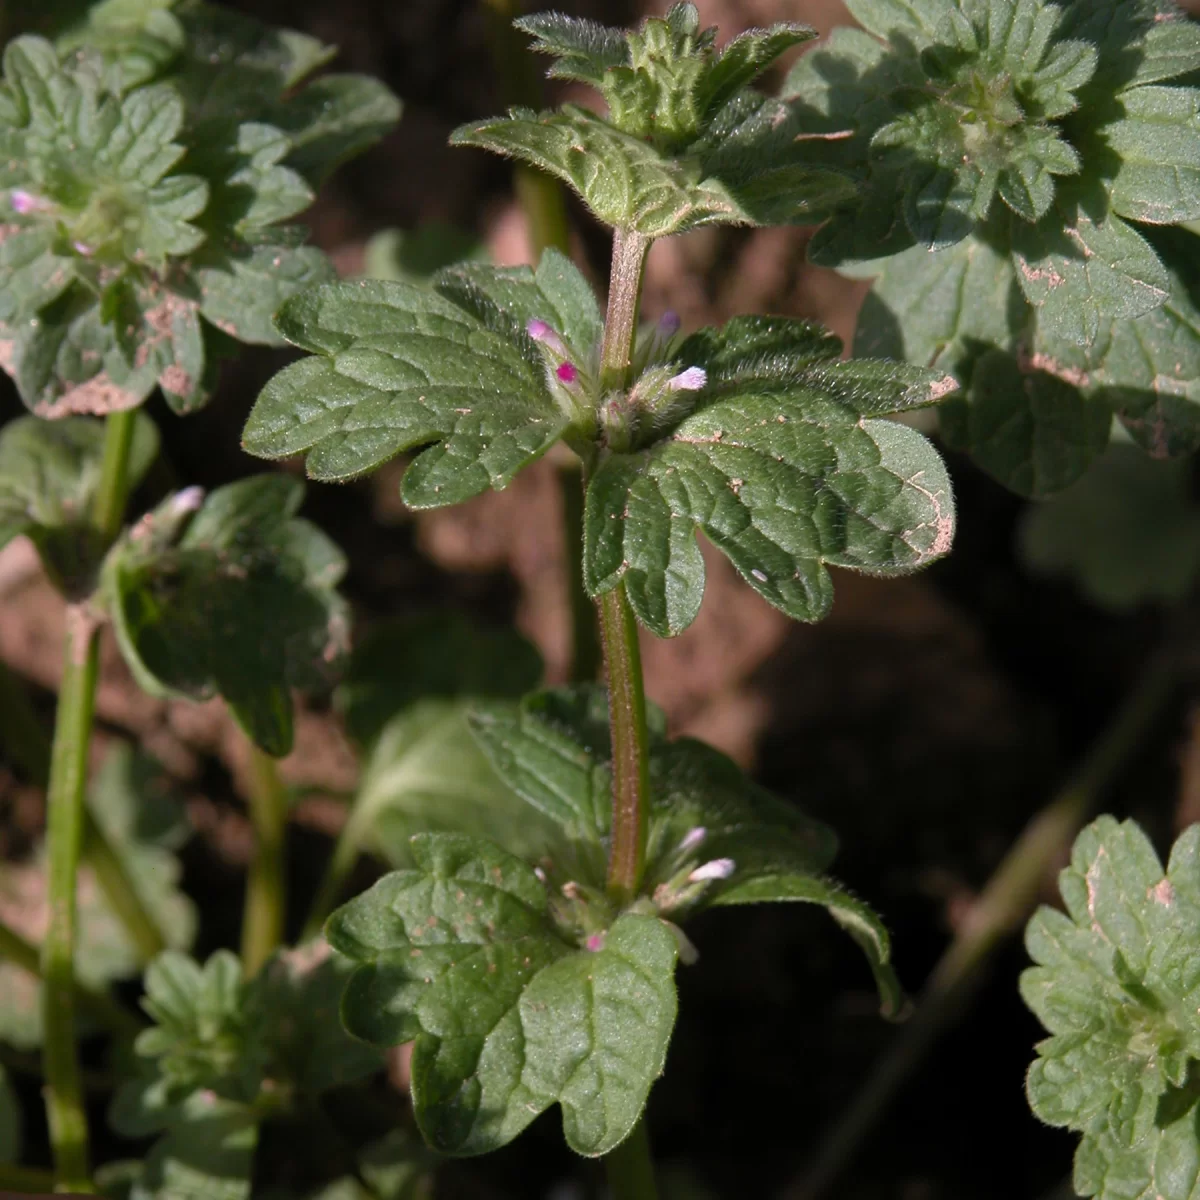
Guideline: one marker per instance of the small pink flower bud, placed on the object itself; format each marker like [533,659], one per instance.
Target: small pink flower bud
[668,324]
[691,380]
[25,202]
[693,840]
[84,249]
[187,501]
[595,942]
[719,868]
[539,331]
[567,372]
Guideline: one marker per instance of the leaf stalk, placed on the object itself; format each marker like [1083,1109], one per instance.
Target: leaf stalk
[266,891]
[64,839]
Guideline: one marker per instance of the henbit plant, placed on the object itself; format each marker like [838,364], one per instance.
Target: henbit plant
[1030,186]
[149,159]
[538,974]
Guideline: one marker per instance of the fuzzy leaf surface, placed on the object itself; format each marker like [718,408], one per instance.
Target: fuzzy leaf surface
[182,598]
[153,154]
[398,367]
[553,750]
[630,184]
[49,474]
[507,1017]
[1116,985]
[783,468]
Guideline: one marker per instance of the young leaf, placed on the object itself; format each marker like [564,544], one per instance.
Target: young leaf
[1126,534]
[507,1017]
[400,367]
[180,602]
[1116,986]
[686,142]
[782,467]
[151,158]
[629,184]
[49,473]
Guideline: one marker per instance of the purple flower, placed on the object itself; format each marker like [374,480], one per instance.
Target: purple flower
[691,380]
[539,331]
[719,868]
[567,372]
[668,324]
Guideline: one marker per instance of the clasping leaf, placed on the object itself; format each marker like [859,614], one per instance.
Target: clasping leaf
[781,461]
[686,141]
[507,1017]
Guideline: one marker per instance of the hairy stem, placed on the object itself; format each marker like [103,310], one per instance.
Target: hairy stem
[266,894]
[630,1169]
[618,629]
[108,508]
[64,839]
[1001,909]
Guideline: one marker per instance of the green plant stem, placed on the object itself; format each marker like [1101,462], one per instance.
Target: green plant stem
[25,1179]
[64,840]
[108,508]
[585,641]
[1000,910]
[266,894]
[618,628]
[630,1169]
[99,1005]
[66,818]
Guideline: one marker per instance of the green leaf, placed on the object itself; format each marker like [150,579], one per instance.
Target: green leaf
[585,50]
[553,750]
[785,473]
[1033,431]
[401,367]
[133,39]
[242,602]
[1078,272]
[425,772]
[435,655]
[333,119]
[746,57]
[10,1122]
[1159,175]
[1116,986]
[49,475]
[1148,369]
[1126,534]
[628,183]
[207,1155]
[241,293]
[851,914]
[507,1018]
[922,21]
